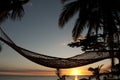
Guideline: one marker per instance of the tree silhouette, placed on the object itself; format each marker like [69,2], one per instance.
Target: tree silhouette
[11,9]
[117,70]
[96,71]
[100,17]
[94,14]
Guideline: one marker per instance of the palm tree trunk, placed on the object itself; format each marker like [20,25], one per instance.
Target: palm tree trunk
[112,62]
[111,52]
[98,77]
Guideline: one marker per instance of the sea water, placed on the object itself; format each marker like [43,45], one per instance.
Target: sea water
[6,77]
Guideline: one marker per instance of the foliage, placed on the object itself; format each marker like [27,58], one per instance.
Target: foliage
[96,71]
[11,9]
[95,15]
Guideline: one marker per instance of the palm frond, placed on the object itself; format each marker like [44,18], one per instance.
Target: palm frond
[91,69]
[11,9]
[68,12]
[78,28]
[17,13]
[80,24]
[17,9]
[63,1]
[100,66]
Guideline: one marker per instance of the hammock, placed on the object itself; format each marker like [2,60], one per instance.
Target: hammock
[55,62]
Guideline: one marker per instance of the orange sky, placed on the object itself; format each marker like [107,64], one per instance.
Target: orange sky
[74,71]
[28,73]
[52,72]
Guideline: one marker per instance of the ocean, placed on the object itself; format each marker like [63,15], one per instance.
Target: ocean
[6,77]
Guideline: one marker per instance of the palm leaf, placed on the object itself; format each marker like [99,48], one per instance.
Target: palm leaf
[17,12]
[68,11]
[11,9]
[63,1]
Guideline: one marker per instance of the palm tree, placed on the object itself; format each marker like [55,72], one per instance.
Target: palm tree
[98,16]
[117,70]
[94,14]
[96,71]
[11,9]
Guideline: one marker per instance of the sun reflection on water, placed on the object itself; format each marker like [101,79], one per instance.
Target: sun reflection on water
[76,77]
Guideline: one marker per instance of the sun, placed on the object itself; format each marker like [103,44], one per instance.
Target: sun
[75,71]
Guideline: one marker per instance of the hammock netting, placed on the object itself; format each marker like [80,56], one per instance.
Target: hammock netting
[85,58]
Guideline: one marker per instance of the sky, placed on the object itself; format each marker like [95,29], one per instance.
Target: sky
[38,31]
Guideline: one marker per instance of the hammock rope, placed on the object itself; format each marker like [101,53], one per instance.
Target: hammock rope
[55,62]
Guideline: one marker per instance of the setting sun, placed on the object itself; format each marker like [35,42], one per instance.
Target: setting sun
[75,72]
